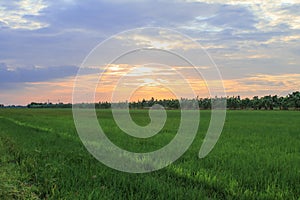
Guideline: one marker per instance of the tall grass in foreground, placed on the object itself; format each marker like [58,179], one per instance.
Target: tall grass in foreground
[257,157]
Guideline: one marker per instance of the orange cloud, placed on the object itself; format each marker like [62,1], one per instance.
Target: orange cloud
[263,84]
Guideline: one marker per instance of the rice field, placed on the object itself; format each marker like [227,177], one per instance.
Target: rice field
[256,157]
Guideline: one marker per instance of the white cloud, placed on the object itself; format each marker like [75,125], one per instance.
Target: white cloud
[161,40]
[19,15]
[196,26]
[270,13]
[283,39]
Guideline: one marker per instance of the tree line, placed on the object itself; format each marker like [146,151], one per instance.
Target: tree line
[269,102]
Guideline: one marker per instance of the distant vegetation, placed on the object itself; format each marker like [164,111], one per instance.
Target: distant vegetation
[49,105]
[291,101]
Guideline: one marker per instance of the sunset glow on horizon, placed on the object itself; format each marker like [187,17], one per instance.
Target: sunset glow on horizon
[60,90]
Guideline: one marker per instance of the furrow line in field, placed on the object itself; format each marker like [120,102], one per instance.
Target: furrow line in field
[39,128]
[44,129]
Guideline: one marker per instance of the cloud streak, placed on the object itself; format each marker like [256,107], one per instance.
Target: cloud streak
[34,74]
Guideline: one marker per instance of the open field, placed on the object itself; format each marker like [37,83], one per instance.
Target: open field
[256,157]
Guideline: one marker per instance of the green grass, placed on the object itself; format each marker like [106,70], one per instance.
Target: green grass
[257,157]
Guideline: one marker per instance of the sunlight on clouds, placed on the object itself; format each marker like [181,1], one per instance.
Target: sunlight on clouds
[246,55]
[283,39]
[166,41]
[141,71]
[124,79]
[273,14]
[263,84]
[194,25]
[114,68]
[15,14]
[258,56]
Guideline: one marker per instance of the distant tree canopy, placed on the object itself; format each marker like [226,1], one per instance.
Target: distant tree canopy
[49,105]
[1,105]
[291,101]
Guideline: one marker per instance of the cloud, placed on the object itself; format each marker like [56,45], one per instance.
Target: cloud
[34,74]
[22,14]
[75,27]
[263,84]
[239,24]
[158,39]
[269,13]
[57,90]
[114,16]
[229,17]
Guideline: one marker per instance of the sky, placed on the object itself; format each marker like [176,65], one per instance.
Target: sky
[43,43]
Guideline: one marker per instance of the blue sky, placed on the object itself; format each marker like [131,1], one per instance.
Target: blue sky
[255,44]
